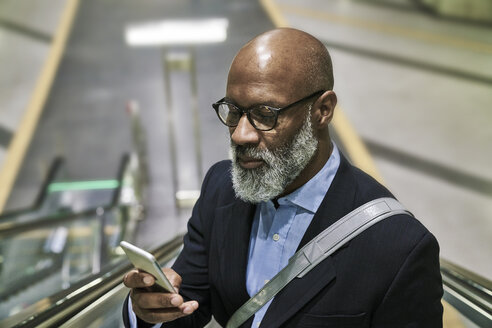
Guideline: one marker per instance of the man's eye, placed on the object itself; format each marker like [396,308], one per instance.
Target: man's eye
[233,112]
[263,112]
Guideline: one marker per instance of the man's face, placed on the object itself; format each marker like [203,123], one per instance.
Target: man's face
[263,174]
[267,163]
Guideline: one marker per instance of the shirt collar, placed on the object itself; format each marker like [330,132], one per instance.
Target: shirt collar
[310,195]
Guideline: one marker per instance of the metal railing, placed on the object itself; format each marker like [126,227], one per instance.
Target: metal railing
[468,293]
[56,310]
[69,245]
[53,172]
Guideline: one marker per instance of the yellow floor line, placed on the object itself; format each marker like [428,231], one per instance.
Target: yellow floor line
[359,154]
[389,29]
[22,138]
[357,150]
[275,14]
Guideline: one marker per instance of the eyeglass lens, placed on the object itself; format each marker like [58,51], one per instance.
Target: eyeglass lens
[261,117]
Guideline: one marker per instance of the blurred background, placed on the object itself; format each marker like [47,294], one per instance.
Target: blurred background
[107,129]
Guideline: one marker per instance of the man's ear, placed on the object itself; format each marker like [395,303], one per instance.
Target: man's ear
[325,106]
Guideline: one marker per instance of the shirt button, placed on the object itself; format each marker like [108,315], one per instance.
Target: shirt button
[258,324]
[266,281]
[276,237]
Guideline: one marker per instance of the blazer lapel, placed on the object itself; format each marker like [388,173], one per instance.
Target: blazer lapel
[234,221]
[337,202]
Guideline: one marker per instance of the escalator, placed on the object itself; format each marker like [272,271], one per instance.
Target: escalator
[95,301]
[42,204]
[70,234]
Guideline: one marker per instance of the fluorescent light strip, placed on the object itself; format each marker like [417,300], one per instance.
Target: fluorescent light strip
[177,32]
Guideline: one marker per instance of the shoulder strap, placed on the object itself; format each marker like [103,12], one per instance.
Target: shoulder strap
[319,248]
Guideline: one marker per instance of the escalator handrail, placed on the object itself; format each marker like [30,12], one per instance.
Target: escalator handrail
[61,306]
[468,292]
[11,227]
[55,167]
[124,163]
[473,280]
[57,164]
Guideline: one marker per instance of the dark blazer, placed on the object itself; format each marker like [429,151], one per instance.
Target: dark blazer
[388,276]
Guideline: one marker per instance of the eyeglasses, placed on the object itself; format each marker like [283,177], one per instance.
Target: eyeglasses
[262,117]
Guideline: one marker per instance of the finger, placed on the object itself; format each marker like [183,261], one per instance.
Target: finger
[138,279]
[158,316]
[149,300]
[189,307]
[173,277]
[164,315]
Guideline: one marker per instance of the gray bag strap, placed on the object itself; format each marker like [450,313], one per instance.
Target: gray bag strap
[319,248]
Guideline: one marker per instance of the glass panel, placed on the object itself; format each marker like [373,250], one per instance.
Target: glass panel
[40,262]
[107,312]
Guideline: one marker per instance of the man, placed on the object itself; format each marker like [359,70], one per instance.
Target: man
[288,182]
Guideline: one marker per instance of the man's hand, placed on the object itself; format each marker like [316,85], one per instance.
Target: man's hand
[156,307]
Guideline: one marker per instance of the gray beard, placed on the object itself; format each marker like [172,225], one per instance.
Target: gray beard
[282,166]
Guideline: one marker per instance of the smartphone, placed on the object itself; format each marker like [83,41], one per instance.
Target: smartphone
[145,261]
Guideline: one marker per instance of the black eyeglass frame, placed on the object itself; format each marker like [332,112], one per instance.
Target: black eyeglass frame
[247,111]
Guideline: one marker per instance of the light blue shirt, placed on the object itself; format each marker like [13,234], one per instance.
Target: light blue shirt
[276,233]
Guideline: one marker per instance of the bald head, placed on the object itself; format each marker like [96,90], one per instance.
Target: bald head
[285,55]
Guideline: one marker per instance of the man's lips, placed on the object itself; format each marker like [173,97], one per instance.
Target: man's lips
[250,162]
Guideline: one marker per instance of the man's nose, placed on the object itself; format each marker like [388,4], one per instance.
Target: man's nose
[245,133]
